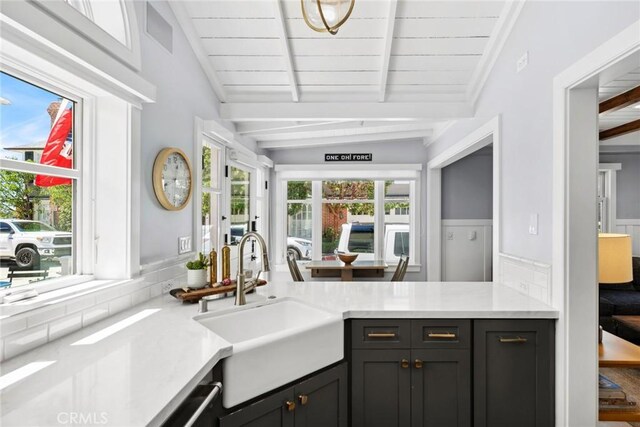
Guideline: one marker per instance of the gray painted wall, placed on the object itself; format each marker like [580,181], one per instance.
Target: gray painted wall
[183,93]
[467,187]
[627,184]
[525,102]
[389,152]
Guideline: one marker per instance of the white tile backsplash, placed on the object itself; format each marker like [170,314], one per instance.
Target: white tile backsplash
[95,313]
[25,331]
[13,324]
[119,304]
[78,304]
[530,277]
[66,325]
[45,315]
[25,340]
[140,296]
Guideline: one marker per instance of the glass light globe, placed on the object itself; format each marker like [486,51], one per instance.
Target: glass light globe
[335,13]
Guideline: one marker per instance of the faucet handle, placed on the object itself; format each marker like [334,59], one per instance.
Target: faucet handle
[203,305]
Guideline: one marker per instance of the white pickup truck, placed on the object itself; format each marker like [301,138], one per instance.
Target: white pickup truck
[358,238]
[27,242]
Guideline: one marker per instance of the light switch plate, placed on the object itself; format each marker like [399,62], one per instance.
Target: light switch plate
[522,62]
[184,244]
[533,224]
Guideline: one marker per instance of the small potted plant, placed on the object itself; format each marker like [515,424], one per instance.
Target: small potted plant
[197,272]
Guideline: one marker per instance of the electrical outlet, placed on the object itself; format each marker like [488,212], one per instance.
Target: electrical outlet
[166,287]
[450,235]
[472,235]
[184,244]
[522,62]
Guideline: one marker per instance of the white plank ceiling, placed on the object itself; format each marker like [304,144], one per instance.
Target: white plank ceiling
[620,85]
[260,54]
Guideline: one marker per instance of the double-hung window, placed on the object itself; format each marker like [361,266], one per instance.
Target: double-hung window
[40,181]
[211,200]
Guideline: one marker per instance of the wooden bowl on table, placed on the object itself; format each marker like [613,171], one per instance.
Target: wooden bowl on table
[347,258]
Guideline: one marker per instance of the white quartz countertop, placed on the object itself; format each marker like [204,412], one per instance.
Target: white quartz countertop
[138,375]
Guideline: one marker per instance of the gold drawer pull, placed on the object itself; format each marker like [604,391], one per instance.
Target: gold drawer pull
[444,335]
[303,398]
[513,340]
[418,364]
[404,363]
[381,335]
[291,406]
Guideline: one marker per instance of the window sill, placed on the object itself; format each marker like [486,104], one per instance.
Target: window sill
[80,286]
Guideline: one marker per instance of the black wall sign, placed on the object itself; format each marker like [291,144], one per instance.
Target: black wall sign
[348,157]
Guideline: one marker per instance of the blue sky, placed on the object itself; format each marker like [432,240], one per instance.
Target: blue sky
[25,120]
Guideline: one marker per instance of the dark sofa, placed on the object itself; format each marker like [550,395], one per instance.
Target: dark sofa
[621,300]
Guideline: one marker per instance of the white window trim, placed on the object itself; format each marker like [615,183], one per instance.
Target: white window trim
[610,170]
[318,172]
[128,53]
[201,138]
[101,206]
[83,149]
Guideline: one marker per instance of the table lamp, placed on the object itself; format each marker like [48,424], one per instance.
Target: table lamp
[614,261]
[614,258]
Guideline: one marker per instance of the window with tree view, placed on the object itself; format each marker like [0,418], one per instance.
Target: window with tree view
[299,216]
[240,203]
[347,217]
[211,194]
[374,218]
[38,177]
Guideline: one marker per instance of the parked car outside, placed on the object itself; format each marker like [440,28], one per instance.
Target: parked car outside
[300,248]
[358,238]
[28,242]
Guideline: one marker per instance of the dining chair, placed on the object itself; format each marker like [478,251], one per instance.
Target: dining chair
[401,269]
[293,268]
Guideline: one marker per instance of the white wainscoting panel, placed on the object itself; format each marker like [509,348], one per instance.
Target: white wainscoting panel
[631,227]
[466,250]
[527,276]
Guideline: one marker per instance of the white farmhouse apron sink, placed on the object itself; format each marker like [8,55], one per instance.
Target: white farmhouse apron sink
[274,342]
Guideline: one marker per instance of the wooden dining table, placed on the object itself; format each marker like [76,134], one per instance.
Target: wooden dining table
[347,272]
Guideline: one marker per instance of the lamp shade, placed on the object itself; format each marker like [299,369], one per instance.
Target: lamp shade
[614,258]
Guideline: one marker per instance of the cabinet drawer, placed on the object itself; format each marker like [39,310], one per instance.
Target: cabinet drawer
[441,333]
[382,333]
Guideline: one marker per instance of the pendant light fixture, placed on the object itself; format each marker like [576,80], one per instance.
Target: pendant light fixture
[326,15]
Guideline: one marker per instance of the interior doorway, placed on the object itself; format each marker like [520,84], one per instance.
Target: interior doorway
[575,222]
[484,141]
[467,214]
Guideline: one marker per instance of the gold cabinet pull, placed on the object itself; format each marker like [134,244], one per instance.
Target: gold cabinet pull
[442,335]
[404,363]
[516,340]
[303,399]
[381,335]
[417,364]
[291,406]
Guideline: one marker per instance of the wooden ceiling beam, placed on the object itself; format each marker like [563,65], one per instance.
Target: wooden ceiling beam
[388,45]
[624,129]
[332,111]
[286,49]
[630,97]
